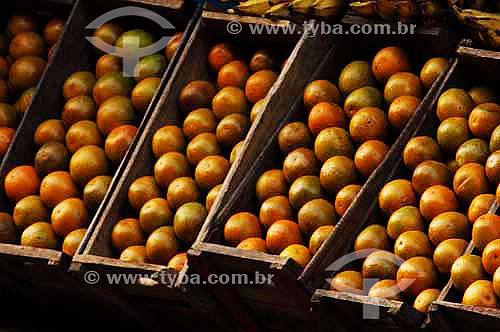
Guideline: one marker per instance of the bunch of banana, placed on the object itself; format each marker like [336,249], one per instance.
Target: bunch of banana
[283,8]
[402,10]
[486,24]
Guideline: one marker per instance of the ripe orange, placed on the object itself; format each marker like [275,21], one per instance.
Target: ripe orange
[220,55]
[401,110]
[56,187]
[324,115]
[298,252]
[69,215]
[320,91]
[241,226]
[118,142]
[480,205]
[369,123]
[154,214]
[419,149]
[141,191]
[430,173]
[6,137]
[253,243]
[234,73]
[314,214]
[293,136]
[299,162]
[336,173]
[432,69]
[126,233]
[436,200]
[319,236]
[303,190]
[403,84]
[273,209]
[333,141]
[211,171]
[491,256]
[203,145]
[448,225]
[345,197]
[485,229]
[258,84]
[168,139]
[72,241]
[20,182]
[348,281]
[39,235]
[199,121]
[388,61]
[212,196]
[28,211]
[170,166]
[182,190]
[229,100]
[369,155]
[395,195]
[483,119]
[178,261]
[162,245]
[422,270]
[49,131]
[271,183]
[470,181]
[281,234]
[136,254]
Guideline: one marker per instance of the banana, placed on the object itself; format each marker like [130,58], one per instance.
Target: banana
[254,7]
[279,10]
[328,8]
[302,6]
[365,8]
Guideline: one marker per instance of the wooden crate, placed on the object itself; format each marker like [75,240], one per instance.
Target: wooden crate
[396,315]
[46,270]
[287,297]
[447,313]
[189,305]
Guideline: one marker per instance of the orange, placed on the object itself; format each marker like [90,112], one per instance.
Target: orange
[271,183]
[178,261]
[273,209]
[188,220]
[6,137]
[199,121]
[211,171]
[447,252]
[257,109]
[492,167]
[118,142]
[126,233]
[78,109]
[162,245]
[253,243]
[144,92]
[229,100]
[220,55]
[336,173]
[428,174]
[401,110]
[474,150]
[448,225]
[402,220]
[281,234]
[412,243]
[28,211]
[432,69]
[345,197]
[87,163]
[422,270]
[389,61]
[436,200]
[212,196]
[56,187]
[419,149]
[369,155]
[314,214]
[262,59]
[369,123]
[452,133]
[170,166]
[107,64]
[39,235]
[348,282]
[49,131]
[8,232]
[27,43]
[20,23]
[324,115]
[425,298]
[258,84]
[72,241]
[298,253]
[135,254]
[379,264]
[320,235]
[320,91]
[232,129]
[480,293]
[235,152]
[454,103]
[154,214]
[182,190]
[79,84]
[196,94]
[372,237]
[465,270]
[142,190]
[470,181]
[173,45]
[83,133]
[20,182]
[115,112]
[293,136]
[485,229]
[395,195]
[299,162]
[491,256]
[69,215]
[483,94]
[234,73]
[483,119]
[480,205]
[385,289]
[303,190]
[355,75]
[168,139]
[332,142]
[403,84]
[241,226]
[203,145]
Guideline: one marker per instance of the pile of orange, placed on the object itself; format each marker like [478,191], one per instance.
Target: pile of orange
[193,159]
[430,215]
[327,158]
[56,197]
[24,50]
